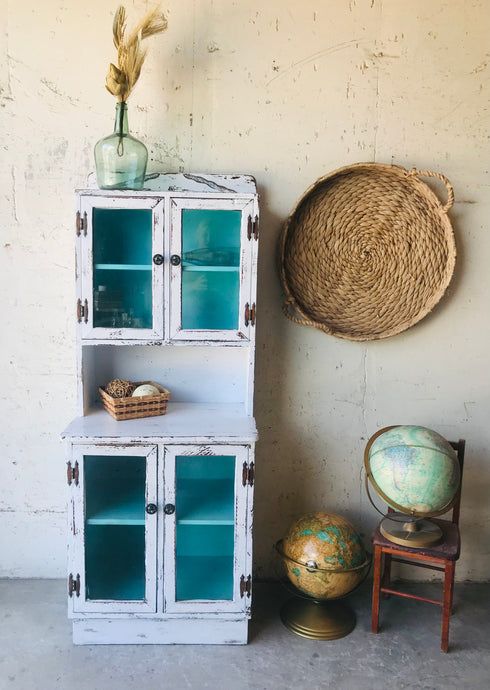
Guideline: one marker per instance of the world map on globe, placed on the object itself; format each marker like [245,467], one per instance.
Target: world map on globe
[415,469]
[324,556]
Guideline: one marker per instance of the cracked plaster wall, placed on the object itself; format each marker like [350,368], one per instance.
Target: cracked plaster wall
[285,91]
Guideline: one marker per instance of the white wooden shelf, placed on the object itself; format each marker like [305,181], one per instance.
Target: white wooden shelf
[209,423]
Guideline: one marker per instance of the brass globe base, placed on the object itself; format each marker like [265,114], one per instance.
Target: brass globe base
[417,534]
[318,620]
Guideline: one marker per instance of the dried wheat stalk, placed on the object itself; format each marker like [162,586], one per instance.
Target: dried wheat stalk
[120,80]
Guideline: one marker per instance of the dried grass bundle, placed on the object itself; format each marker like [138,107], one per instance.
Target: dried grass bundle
[120,80]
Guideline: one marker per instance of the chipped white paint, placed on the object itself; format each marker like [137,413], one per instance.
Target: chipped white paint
[198,420]
[294,91]
[80,604]
[160,618]
[243,510]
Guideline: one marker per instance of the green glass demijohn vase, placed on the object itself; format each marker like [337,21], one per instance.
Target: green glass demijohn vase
[120,159]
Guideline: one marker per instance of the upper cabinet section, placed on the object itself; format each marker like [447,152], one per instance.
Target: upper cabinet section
[210,269]
[121,280]
[173,264]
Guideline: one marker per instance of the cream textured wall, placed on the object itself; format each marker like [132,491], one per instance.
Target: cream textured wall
[287,91]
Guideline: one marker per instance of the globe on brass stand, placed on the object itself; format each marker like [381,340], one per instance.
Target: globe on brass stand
[324,561]
[416,471]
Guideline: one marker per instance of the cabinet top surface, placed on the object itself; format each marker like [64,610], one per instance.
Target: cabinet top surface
[181,182]
[190,422]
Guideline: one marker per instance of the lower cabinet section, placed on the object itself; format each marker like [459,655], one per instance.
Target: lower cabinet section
[160,542]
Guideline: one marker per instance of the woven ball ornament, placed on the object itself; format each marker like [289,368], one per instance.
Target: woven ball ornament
[120,388]
[367,252]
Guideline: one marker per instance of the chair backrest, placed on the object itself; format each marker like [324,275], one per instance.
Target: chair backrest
[459,447]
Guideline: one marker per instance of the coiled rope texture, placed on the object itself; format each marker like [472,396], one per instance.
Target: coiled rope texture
[367,251]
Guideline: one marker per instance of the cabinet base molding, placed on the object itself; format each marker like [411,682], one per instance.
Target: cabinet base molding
[150,631]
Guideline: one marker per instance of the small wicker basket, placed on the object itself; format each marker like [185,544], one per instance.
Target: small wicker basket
[139,406]
[367,251]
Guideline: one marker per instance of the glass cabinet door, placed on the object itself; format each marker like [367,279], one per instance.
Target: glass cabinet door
[122,274]
[210,269]
[207,531]
[115,520]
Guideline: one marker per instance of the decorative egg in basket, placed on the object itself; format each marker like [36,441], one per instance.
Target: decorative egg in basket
[145,389]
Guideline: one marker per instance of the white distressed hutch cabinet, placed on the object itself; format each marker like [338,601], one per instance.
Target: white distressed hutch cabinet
[160,508]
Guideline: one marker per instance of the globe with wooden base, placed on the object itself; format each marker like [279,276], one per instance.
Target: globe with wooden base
[416,471]
[324,560]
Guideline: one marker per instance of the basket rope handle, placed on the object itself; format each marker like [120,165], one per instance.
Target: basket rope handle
[442,178]
[290,308]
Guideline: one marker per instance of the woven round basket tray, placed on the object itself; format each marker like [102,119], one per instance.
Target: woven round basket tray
[367,251]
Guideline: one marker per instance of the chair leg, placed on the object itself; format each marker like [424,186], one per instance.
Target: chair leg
[386,577]
[378,554]
[447,603]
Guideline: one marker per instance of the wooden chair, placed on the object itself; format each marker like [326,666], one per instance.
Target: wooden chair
[442,557]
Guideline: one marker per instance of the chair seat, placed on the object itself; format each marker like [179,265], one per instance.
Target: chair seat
[448,549]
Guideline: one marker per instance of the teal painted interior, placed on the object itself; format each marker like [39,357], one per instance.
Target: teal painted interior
[122,268]
[215,582]
[205,540]
[115,562]
[214,505]
[205,501]
[210,269]
[115,527]
[205,467]
[115,489]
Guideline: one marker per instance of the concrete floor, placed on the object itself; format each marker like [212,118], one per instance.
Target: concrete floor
[36,652]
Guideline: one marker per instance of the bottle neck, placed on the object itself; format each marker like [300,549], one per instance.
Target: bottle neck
[121,127]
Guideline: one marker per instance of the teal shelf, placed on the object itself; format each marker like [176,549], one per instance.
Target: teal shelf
[205,502]
[204,578]
[205,540]
[123,267]
[212,269]
[115,563]
[114,490]
[119,506]
[128,513]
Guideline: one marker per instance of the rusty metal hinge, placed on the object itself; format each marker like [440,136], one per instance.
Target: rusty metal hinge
[74,585]
[82,311]
[250,314]
[253,228]
[245,586]
[248,474]
[81,223]
[72,473]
